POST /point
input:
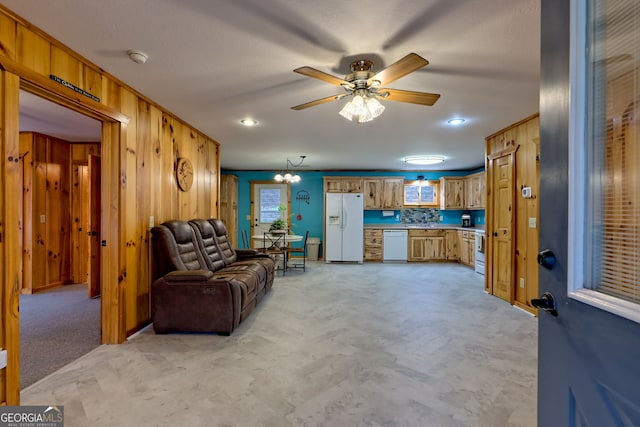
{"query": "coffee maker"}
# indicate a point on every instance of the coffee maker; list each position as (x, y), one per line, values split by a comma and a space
(466, 220)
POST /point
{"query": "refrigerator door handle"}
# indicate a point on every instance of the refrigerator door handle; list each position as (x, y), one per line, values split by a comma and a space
(344, 218)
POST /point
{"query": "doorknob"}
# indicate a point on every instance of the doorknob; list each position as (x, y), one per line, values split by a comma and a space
(546, 303)
(547, 259)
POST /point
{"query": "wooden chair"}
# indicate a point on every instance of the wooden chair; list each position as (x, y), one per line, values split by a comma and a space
(293, 250)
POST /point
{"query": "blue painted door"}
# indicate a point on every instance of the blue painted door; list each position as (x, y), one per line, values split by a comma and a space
(589, 354)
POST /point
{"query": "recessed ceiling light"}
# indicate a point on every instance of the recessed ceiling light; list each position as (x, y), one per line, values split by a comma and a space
(456, 122)
(249, 122)
(424, 160)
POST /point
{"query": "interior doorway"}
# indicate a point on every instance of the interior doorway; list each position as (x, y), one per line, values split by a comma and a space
(60, 316)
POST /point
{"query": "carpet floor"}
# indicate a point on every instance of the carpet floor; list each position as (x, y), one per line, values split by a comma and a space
(56, 328)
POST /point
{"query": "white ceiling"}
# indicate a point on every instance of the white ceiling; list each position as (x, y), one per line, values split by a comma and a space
(214, 62)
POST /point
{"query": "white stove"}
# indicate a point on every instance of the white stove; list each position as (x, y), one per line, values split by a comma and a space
(480, 248)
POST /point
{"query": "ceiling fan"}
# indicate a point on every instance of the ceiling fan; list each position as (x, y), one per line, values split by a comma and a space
(367, 87)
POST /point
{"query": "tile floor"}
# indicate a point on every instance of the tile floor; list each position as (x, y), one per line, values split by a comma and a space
(337, 345)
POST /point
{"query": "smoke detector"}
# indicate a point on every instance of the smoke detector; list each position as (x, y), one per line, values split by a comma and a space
(137, 56)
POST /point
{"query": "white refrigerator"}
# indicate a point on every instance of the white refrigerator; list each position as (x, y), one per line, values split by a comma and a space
(344, 218)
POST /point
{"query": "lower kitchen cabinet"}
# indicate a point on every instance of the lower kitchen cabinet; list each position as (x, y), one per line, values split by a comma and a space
(373, 242)
(466, 247)
(427, 245)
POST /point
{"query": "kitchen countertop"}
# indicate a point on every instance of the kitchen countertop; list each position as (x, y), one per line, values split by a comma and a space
(423, 227)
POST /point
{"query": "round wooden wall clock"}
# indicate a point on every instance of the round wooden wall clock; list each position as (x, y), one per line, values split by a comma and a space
(184, 174)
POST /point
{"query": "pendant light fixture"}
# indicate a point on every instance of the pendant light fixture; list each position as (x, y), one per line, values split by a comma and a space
(289, 176)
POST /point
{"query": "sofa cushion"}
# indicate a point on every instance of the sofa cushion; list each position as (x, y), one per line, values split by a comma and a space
(176, 248)
(206, 237)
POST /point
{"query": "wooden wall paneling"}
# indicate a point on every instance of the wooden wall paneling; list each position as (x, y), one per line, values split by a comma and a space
(131, 224)
(170, 208)
(533, 247)
(40, 275)
(7, 37)
(111, 93)
(66, 66)
(59, 212)
(76, 232)
(92, 81)
(33, 51)
(26, 154)
(11, 233)
(112, 255)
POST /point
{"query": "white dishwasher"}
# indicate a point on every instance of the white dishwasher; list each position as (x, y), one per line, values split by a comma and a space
(394, 245)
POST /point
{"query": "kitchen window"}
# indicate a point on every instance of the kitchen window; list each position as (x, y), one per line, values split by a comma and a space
(421, 193)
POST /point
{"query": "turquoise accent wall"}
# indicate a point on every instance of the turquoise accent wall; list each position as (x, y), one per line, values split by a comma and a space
(312, 214)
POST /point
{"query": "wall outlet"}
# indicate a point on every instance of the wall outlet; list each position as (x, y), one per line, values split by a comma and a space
(3, 358)
(526, 192)
(522, 282)
(248, 217)
(152, 221)
(441, 218)
(532, 222)
(43, 219)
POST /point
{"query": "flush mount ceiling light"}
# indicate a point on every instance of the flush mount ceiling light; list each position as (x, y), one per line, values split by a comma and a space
(137, 56)
(289, 175)
(249, 122)
(456, 122)
(424, 160)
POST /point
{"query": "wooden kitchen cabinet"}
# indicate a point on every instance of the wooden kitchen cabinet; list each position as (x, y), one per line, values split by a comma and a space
(475, 192)
(382, 193)
(427, 245)
(372, 189)
(229, 206)
(343, 184)
(392, 193)
(466, 247)
(451, 245)
(373, 241)
(452, 192)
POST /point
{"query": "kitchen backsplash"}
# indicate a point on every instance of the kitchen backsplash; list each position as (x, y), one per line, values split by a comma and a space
(419, 216)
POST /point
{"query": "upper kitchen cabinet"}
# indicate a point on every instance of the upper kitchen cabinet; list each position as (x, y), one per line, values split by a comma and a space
(343, 184)
(382, 193)
(474, 191)
(452, 192)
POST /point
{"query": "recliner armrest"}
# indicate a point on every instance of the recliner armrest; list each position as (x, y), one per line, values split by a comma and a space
(188, 276)
(251, 253)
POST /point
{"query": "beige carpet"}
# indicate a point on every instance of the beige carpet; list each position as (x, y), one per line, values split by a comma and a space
(339, 345)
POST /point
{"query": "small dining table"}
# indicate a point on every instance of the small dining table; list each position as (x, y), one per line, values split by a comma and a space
(271, 240)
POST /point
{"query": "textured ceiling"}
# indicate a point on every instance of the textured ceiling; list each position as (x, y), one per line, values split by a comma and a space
(214, 62)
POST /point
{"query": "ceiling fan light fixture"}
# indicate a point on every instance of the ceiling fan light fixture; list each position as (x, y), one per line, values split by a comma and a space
(362, 109)
(424, 160)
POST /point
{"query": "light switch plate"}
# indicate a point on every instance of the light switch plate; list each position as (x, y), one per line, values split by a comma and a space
(3, 358)
(248, 217)
(152, 221)
(43, 219)
(532, 222)
(522, 282)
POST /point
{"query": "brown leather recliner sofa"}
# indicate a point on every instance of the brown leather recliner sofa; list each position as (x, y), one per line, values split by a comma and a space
(201, 283)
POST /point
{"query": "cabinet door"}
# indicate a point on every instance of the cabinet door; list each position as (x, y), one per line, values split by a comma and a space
(469, 192)
(452, 193)
(333, 185)
(417, 248)
(481, 191)
(372, 189)
(373, 245)
(434, 248)
(392, 193)
(352, 185)
(451, 245)
(464, 247)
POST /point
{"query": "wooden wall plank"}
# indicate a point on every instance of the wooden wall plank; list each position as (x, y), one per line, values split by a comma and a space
(33, 51)
(7, 37)
(11, 233)
(26, 154)
(66, 66)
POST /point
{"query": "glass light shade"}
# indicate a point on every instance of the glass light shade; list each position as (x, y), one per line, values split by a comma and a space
(424, 160)
(362, 109)
(279, 177)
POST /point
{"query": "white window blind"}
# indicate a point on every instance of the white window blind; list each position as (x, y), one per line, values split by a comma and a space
(613, 154)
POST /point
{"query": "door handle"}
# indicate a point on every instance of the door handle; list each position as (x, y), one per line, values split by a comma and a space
(547, 259)
(546, 303)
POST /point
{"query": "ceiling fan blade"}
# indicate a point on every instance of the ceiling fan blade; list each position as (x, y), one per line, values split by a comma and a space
(398, 95)
(404, 66)
(321, 75)
(319, 101)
